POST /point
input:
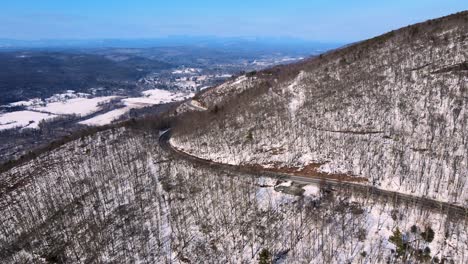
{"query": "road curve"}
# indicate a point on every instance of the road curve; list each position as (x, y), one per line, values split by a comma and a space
(396, 197)
(196, 107)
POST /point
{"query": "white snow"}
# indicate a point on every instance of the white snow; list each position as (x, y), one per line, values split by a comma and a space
(106, 118)
(240, 80)
(311, 190)
(198, 105)
(268, 197)
(333, 167)
(151, 97)
(81, 104)
(298, 97)
(224, 75)
(154, 97)
(163, 96)
(78, 106)
(65, 103)
(22, 119)
(69, 94)
(186, 71)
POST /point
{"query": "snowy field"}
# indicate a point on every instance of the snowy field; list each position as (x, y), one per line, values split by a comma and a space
(81, 104)
(150, 98)
(187, 71)
(105, 118)
(22, 119)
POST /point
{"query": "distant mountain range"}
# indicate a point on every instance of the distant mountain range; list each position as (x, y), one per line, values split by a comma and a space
(250, 43)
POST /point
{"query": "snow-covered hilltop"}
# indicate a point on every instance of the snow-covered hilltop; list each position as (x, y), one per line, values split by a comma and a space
(392, 110)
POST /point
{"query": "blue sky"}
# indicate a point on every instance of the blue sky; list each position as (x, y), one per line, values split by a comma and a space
(317, 20)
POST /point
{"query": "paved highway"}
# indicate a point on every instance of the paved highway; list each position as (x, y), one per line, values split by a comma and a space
(396, 197)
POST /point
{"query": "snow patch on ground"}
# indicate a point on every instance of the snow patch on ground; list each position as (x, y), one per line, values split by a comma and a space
(197, 104)
(106, 118)
(78, 106)
(22, 119)
(162, 96)
(331, 167)
(311, 190)
(298, 97)
(240, 80)
(186, 71)
(151, 97)
(268, 197)
(69, 94)
(223, 76)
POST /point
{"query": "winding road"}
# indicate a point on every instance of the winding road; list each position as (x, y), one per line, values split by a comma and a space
(395, 197)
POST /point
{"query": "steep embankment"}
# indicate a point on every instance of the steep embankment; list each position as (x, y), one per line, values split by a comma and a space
(392, 109)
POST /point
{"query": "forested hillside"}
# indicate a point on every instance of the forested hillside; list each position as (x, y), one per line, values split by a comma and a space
(392, 110)
(117, 197)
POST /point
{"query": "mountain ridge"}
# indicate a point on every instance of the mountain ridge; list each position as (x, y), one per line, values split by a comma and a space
(409, 85)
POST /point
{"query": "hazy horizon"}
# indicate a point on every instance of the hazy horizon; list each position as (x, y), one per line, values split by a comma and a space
(318, 21)
(225, 43)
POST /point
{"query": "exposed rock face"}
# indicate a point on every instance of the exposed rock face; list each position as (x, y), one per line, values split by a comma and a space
(393, 109)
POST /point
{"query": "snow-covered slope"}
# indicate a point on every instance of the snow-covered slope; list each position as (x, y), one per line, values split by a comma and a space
(116, 197)
(392, 109)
